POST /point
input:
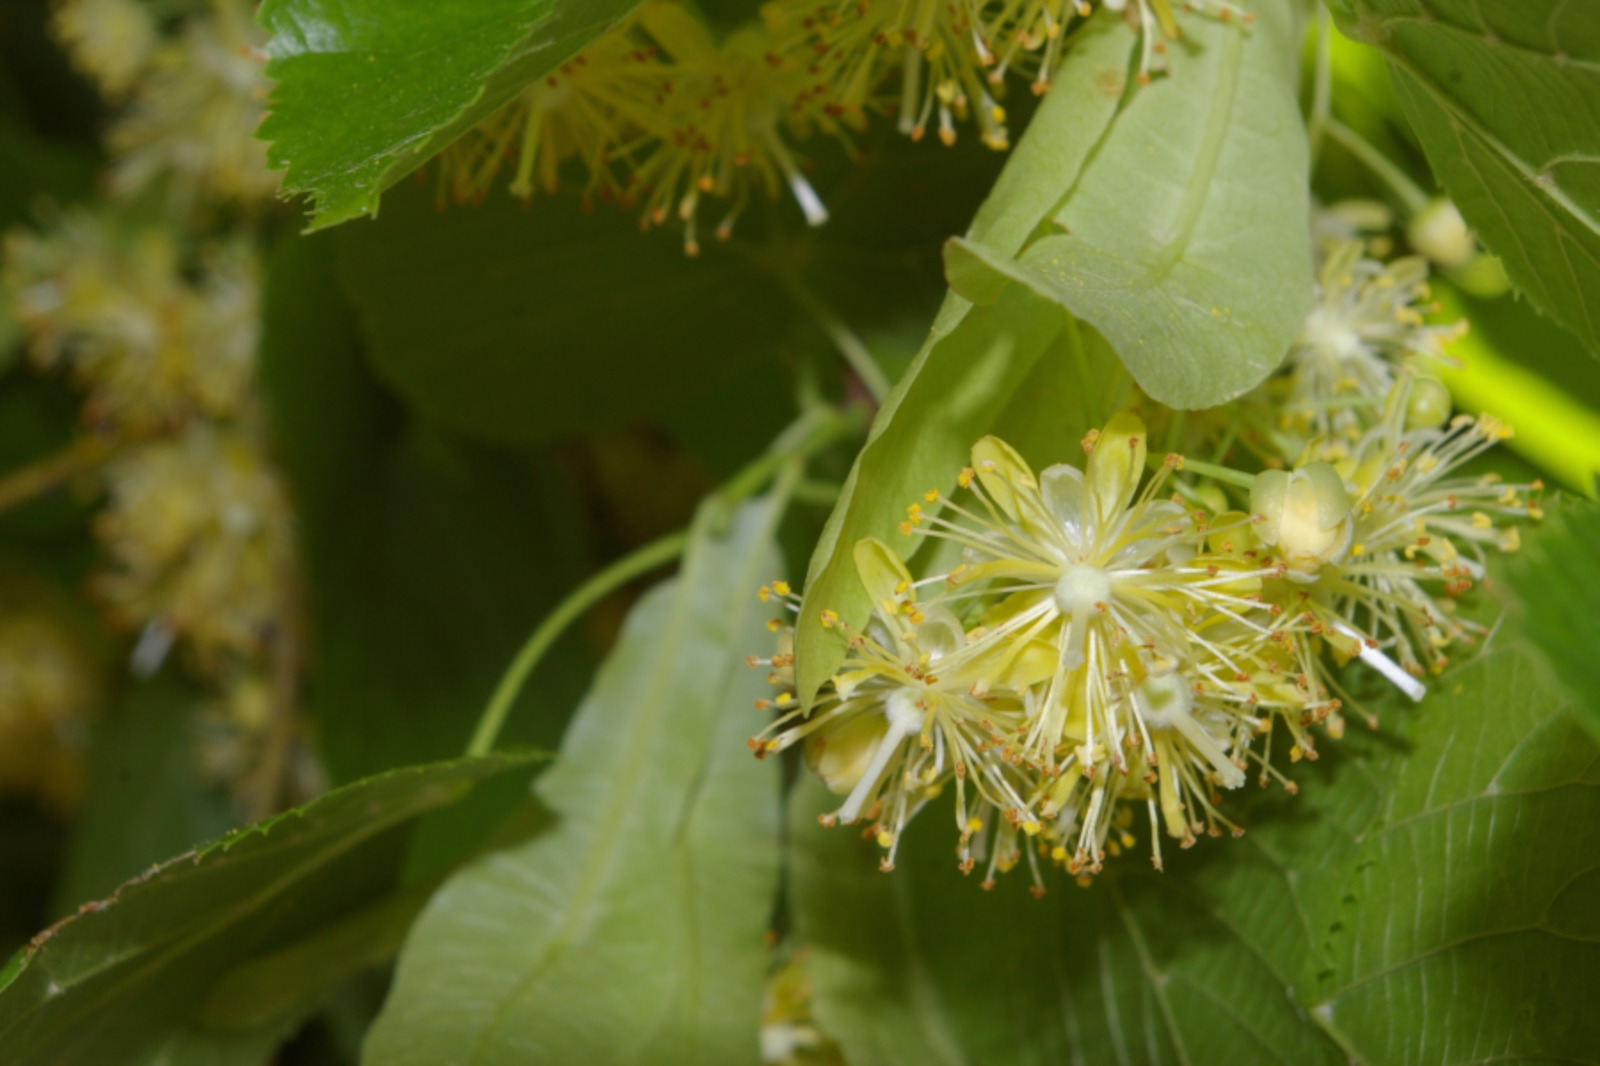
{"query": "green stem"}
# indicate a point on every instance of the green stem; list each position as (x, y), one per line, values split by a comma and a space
(1218, 473)
(821, 493)
(813, 430)
(635, 564)
(1321, 85)
(1399, 182)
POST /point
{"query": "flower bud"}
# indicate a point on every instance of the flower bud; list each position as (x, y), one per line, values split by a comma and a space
(1305, 515)
(1428, 405)
(1440, 233)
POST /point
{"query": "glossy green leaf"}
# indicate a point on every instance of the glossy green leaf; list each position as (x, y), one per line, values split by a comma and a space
(125, 975)
(368, 90)
(631, 931)
(519, 325)
(1183, 240)
(1428, 897)
(1505, 96)
(968, 372)
(1553, 582)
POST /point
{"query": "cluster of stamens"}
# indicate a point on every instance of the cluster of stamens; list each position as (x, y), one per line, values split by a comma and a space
(1096, 641)
(661, 116)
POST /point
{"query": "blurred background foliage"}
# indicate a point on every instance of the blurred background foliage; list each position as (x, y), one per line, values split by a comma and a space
(476, 408)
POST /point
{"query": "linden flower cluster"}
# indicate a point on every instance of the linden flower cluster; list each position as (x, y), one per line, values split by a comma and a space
(198, 531)
(196, 524)
(660, 114)
(1101, 645)
(194, 94)
(113, 305)
(1368, 323)
(48, 693)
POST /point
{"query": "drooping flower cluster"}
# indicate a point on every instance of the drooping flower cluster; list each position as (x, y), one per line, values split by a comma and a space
(49, 690)
(194, 94)
(660, 114)
(196, 526)
(1136, 632)
(113, 305)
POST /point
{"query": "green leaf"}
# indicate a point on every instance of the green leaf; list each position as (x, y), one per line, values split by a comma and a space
(519, 325)
(632, 931)
(1184, 238)
(145, 800)
(1553, 581)
(126, 974)
(968, 372)
(367, 91)
(417, 544)
(1505, 97)
(1469, 909)
(1428, 897)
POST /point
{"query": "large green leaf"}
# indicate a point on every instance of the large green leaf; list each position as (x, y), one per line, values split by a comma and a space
(520, 324)
(1505, 96)
(1553, 581)
(126, 974)
(416, 544)
(369, 90)
(632, 931)
(1184, 238)
(1428, 897)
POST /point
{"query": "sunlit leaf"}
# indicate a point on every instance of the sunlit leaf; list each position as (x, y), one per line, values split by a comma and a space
(632, 930)
(1184, 239)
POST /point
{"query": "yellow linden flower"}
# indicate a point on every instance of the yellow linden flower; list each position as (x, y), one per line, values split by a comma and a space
(151, 347)
(1092, 565)
(940, 47)
(579, 112)
(189, 127)
(1416, 537)
(198, 530)
(716, 122)
(109, 40)
(915, 705)
(48, 692)
(790, 1035)
(1366, 325)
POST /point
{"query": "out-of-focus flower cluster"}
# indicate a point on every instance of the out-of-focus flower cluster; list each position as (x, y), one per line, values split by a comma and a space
(1135, 631)
(661, 115)
(191, 90)
(196, 528)
(50, 689)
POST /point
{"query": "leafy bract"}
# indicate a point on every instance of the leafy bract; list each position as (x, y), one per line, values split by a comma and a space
(1505, 97)
(369, 90)
(975, 360)
(1183, 239)
(631, 931)
(1428, 897)
(124, 976)
(1553, 581)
